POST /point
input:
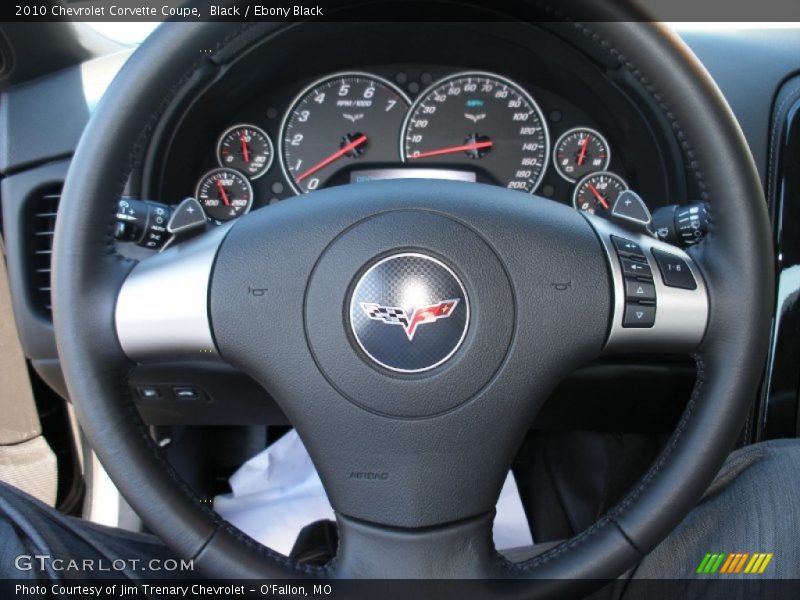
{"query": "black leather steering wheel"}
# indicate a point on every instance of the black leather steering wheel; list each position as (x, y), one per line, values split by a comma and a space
(412, 450)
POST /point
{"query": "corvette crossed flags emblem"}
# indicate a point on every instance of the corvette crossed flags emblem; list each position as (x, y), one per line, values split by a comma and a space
(392, 315)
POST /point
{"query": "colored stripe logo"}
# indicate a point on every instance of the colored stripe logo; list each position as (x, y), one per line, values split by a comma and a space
(724, 563)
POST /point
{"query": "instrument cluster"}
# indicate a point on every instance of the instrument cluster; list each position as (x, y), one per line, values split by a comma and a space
(353, 126)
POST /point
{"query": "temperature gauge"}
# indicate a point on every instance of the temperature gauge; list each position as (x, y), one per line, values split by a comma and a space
(225, 194)
(598, 191)
(245, 148)
(580, 151)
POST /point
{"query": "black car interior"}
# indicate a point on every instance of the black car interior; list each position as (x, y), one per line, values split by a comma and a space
(612, 430)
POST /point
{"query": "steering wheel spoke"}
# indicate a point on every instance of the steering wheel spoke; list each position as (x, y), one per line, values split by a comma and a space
(462, 550)
(660, 297)
(162, 307)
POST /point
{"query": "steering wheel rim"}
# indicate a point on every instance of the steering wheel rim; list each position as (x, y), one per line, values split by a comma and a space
(735, 260)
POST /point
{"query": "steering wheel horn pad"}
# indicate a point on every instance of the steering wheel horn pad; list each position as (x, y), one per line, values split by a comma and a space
(387, 443)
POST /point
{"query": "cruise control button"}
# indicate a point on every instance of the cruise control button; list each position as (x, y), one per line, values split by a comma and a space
(632, 268)
(637, 315)
(674, 270)
(627, 247)
(639, 290)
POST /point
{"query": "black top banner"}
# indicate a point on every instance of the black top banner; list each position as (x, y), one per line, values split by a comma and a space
(763, 11)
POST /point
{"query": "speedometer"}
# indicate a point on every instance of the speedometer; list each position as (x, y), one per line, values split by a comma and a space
(479, 122)
(342, 121)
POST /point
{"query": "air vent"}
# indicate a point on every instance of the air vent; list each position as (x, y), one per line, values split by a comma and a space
(44, 225)
(5, 57)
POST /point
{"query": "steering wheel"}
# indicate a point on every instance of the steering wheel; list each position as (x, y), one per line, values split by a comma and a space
(412, 420)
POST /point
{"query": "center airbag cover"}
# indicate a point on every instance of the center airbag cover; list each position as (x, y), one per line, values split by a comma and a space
(483, 317)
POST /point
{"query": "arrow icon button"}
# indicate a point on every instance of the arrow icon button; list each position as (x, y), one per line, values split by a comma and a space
(639, 290)
(633, 268)
(639, 316)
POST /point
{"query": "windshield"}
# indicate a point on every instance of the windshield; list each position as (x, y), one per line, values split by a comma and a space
(130, 34)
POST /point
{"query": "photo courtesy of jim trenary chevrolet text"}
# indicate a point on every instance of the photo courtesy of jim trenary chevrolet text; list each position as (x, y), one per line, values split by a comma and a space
(400, 299)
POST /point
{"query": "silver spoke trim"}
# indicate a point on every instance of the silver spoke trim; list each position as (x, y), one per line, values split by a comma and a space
(681, 315)
(162, 308)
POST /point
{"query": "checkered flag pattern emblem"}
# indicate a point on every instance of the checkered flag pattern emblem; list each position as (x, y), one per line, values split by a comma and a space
(393, 315)
(388, 314)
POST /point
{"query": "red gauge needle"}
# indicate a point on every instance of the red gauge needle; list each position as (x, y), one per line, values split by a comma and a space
(454, 149)
(245, 152)
(599, 196)
(338, 154)
(221, 189)
(582, 155)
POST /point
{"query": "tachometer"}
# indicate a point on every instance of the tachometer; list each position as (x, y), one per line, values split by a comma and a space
(337, 122)
(482, 122)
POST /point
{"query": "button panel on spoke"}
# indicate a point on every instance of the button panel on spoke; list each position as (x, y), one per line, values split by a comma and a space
(640, 293)
(660, 299)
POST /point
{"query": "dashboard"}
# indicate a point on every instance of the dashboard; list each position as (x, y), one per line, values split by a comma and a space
(489, 109)
(352, 127)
